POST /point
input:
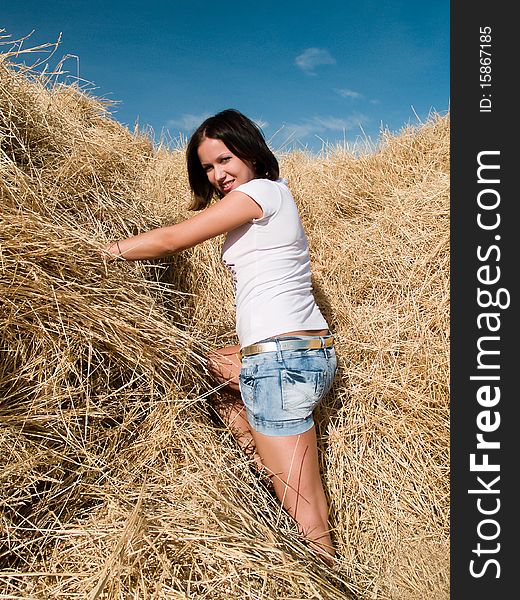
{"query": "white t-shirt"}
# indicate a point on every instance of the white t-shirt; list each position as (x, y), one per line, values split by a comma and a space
(269, 259)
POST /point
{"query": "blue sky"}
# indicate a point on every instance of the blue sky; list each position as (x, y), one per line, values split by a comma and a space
(307, 72)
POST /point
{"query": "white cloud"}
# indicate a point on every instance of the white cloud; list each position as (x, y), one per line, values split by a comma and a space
(345, 93)
(320, 125)
(311, 58)
(187, 122)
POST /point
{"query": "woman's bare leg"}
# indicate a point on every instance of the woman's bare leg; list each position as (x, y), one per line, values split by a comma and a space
(293, 464)
(291, 461)
(225, 365)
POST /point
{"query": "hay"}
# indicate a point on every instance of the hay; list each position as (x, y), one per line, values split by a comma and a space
(114, 481)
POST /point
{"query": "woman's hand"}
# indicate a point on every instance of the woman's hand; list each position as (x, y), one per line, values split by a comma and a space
(149, 245)
(111, 252)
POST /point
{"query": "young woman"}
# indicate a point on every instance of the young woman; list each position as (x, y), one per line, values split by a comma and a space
(285, 362)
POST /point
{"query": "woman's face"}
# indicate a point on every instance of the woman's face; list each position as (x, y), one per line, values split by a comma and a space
(225, 171)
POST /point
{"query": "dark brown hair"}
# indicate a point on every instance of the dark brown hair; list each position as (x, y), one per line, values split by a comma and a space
(242, 137)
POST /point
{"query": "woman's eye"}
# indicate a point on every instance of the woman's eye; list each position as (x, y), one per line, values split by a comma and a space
(226, 158)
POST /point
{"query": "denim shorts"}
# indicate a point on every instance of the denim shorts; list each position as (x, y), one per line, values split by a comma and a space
(281, 389)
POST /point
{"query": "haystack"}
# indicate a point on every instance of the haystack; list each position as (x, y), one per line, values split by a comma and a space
(115, 482)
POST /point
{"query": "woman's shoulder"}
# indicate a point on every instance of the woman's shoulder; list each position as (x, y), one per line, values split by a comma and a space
(269, 194)
(265, 186)
(260, 182)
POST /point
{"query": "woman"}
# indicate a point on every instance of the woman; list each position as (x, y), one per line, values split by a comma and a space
(285, 362)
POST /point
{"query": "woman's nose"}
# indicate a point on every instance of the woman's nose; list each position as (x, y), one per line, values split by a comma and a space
(219, 173)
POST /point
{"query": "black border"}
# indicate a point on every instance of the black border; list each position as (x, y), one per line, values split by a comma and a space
(473, 131)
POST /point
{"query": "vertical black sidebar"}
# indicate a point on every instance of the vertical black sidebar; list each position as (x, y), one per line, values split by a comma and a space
(485, 239)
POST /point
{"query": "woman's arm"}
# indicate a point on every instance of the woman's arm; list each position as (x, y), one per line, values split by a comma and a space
(227, 214)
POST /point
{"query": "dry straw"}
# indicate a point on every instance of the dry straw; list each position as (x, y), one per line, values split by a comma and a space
(114, 480)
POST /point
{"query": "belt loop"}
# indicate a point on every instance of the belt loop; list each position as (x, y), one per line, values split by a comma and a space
(278, 350)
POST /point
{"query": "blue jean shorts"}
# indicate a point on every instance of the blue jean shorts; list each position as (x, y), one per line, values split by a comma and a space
(281, 389)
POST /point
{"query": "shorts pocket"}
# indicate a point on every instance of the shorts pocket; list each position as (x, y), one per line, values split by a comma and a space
(260, 390)
(246, 383)
(301, 392)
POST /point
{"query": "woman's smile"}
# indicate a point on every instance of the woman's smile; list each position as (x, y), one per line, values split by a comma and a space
(227, 186)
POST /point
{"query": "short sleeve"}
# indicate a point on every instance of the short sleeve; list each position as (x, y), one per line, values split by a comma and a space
(265, 193)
